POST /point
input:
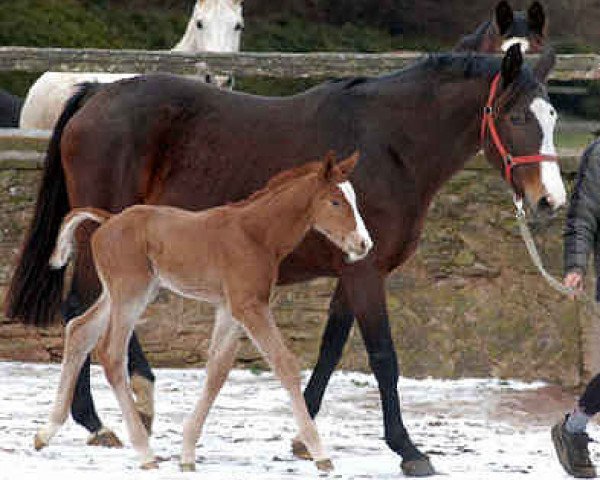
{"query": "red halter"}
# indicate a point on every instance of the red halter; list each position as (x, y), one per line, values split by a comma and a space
(507, 159)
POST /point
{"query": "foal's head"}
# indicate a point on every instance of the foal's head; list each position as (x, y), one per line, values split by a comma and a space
(527, 29)
(336, 214)
(518, 130)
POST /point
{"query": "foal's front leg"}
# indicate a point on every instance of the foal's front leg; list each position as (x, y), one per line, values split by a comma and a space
(221, 355)
(258, 321)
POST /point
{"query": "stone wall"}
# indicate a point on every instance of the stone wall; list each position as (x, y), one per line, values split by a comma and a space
(469, 303)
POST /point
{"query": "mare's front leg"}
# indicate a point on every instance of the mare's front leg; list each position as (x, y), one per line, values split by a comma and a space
(365, 290)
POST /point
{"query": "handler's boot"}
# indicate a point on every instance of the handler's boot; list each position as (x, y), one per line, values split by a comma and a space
(143, 389)
(572, 451)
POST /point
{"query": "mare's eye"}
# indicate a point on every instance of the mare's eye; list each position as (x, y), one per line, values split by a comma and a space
(517, 119)
(199, 24)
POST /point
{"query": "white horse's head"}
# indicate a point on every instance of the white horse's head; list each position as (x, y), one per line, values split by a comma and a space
(215, 26)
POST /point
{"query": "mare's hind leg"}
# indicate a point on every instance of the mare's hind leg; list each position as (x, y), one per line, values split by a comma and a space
(258, 321)
(221, 355)
(81, 334)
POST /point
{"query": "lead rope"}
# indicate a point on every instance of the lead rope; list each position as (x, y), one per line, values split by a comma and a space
(534, 254)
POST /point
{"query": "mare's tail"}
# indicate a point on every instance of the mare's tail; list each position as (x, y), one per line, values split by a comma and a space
(35, 291)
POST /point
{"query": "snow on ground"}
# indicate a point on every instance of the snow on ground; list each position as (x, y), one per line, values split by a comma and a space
(473, 429)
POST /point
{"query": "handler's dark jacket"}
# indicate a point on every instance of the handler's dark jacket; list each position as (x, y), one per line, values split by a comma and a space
(583, 218)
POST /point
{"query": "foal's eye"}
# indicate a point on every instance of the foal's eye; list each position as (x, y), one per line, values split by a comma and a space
(335, 203)
(199, 24)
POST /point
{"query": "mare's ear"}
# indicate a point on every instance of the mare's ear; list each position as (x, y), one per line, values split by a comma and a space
(545, 64)
(503, 16)
(346, 166)
(511, 64)
(327, 170)
(536, 18)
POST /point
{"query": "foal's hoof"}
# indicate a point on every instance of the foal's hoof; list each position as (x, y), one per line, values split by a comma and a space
(104, 438)
(187, 467)
(325, 465)
(151, 465)
(420, 467)
(299, 450)
(39, 442)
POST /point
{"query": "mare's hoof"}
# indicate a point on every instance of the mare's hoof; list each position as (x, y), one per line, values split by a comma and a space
(420, 467)
(151, 465)
(325, 465)
(39, 442)
(299, 450)
(104, 438)
(188, 467)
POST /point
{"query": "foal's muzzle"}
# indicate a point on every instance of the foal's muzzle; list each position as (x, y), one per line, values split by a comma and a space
(357, 247)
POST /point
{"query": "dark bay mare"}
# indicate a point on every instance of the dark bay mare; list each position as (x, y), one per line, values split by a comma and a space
(507, 27)
(162, 139)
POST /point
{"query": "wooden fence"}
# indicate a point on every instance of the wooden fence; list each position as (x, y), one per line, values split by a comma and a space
(271, 64)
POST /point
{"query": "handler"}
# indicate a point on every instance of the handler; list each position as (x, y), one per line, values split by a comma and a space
(582, 234)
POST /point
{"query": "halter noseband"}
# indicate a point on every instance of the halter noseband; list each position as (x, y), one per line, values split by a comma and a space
(508, 160)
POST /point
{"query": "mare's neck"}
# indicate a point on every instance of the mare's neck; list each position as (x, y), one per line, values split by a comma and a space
(279, 220)
(437, 126)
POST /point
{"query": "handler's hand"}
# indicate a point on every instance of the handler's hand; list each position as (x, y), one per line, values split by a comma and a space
(574, 280)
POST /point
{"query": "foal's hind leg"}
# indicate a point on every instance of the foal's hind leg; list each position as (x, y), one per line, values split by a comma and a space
(259, 323)
(81, 334)
(221, 355)
(127, 304)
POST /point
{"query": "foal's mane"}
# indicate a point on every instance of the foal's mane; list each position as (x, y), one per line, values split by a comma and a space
(281, 180)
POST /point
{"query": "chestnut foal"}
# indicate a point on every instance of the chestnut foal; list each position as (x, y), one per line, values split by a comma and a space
(228, 256)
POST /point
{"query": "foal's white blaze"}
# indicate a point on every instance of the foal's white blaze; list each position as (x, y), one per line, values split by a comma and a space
(549, 171)
(523, 42)
(361, 230)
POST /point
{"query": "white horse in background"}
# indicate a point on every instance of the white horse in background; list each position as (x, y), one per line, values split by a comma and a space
(215, 26)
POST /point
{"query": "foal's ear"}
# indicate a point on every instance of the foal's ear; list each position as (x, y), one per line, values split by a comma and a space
(511, 64)
(327, 170)
(346, 166)
(503, 16)
(536, 18)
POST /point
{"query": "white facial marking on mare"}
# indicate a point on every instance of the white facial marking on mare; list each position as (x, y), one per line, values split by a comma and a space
(549, 171)
(214, 27)
(514, 41)
(348, 191)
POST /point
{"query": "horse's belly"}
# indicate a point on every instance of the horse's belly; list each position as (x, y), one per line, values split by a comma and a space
(203, 290)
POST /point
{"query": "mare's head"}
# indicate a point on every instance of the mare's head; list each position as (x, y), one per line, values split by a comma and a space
(216, 26)
(518, 131)
(527, 29)
(335, 210)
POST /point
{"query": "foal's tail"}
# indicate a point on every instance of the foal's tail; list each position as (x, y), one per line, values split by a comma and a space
(64, 243)
(35, 292)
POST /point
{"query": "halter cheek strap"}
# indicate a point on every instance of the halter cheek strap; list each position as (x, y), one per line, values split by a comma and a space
(488, 123)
